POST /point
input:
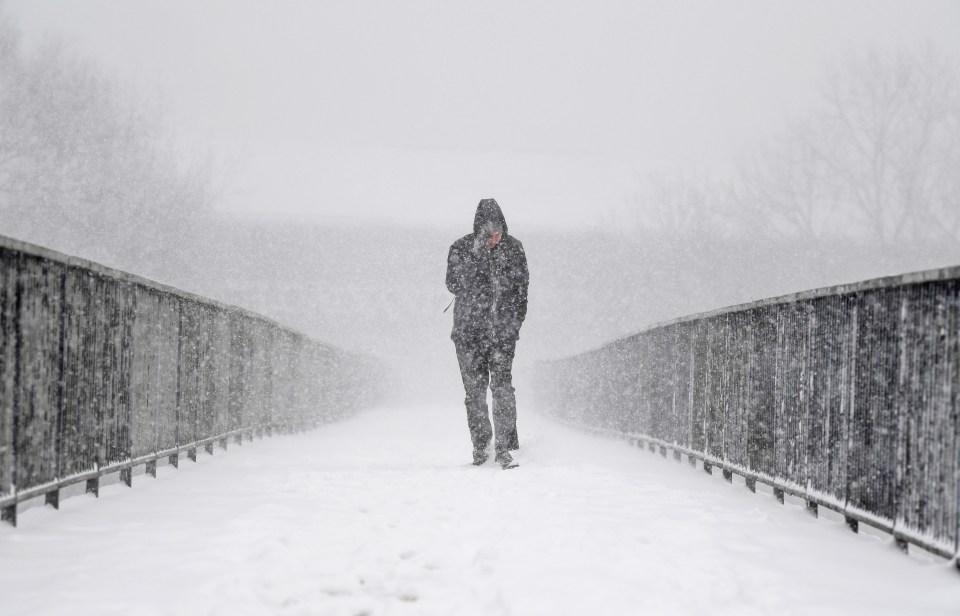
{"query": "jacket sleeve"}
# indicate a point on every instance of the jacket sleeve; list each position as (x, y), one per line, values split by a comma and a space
(454, 270)
(522, 283)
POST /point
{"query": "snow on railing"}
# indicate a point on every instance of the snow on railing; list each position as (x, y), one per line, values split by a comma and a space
(101, 371)
(847, 397)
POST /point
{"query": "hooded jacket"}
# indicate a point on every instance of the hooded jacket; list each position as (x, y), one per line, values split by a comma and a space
(490, 284)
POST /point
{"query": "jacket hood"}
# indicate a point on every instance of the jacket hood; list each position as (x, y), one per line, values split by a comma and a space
(489, 211)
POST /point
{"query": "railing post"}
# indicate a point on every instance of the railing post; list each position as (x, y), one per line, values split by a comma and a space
(728, 475)
(778, 493)
(192, 454)
(208, 447)
(852, 523)
(52, 498)
(151, 468)
(9, 514)
(93, 486)
(707, 467)
(175, 458)
(751, 484)
(128, 311)
(813, 508)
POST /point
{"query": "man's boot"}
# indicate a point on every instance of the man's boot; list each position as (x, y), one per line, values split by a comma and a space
(505, 460)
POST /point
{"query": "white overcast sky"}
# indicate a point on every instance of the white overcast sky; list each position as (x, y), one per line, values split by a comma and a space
(415, 110)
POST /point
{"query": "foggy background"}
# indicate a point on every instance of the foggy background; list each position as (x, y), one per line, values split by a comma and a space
(314, 161)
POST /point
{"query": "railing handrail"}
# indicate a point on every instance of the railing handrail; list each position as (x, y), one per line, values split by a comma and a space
(120, 275)
(898, 280)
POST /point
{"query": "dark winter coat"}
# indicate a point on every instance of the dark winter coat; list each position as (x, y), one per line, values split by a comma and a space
(490, 283)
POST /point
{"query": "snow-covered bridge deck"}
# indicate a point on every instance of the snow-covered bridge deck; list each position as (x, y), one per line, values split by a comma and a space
(382, 514)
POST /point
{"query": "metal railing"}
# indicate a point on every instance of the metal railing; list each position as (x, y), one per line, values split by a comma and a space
(847, 397)
(101, 371)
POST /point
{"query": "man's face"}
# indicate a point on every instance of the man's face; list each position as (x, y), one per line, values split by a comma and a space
(494, 238)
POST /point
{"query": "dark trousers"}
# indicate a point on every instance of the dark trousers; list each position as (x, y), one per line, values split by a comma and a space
(483, 363)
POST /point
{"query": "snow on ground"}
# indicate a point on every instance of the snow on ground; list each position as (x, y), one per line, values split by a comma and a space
(382, 514)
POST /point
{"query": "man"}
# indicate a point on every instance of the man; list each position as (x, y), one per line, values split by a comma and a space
(487, 271)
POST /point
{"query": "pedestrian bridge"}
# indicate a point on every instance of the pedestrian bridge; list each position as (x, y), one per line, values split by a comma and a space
(269, 475)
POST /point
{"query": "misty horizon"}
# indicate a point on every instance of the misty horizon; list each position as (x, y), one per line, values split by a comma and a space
(559, 110)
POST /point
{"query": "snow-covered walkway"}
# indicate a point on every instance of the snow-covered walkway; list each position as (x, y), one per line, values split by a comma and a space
(382, 514)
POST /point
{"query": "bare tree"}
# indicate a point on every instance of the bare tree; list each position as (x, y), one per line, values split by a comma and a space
(878, 158)
(680, 205)
(780, 192)
(85, 166)
(865, 184)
